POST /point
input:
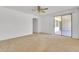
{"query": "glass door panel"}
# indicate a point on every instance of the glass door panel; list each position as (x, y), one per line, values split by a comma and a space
(58, 25)
(66, 25)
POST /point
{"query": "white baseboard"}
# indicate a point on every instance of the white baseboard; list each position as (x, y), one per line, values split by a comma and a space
(14, 36)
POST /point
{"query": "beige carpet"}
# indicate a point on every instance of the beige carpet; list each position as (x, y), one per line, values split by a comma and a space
(40, 42)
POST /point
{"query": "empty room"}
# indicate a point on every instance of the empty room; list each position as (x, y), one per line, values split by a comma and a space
(39, 29)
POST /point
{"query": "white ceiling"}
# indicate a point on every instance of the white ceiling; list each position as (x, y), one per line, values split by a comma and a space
(51, 9)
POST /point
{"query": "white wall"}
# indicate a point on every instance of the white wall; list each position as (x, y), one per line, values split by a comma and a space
(75, 24)
(47, 22)
(14, 23)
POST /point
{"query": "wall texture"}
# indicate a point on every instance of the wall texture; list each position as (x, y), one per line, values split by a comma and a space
(47, 24)
(14, 23)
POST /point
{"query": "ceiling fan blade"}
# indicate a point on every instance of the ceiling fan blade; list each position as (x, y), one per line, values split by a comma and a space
(44, 9)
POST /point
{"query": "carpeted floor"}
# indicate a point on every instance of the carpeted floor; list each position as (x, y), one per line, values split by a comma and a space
(39, 43)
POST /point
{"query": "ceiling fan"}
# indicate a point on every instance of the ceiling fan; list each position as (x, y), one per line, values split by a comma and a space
(40, 9)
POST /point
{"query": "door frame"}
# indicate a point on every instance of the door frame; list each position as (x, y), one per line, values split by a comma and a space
(36, 26)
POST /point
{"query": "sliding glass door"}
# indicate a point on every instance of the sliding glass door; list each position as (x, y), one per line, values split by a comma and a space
(63, 25)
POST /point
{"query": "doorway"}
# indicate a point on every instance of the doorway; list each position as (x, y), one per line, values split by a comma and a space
(63, 25)
(35, 25)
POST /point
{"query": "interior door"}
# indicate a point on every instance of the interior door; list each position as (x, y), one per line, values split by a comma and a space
(35, 25)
